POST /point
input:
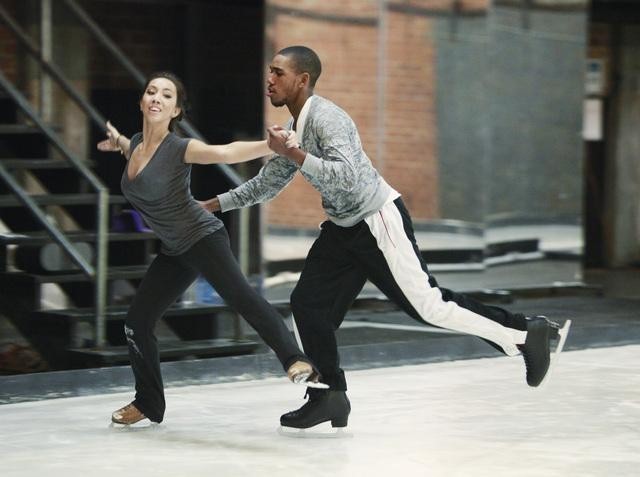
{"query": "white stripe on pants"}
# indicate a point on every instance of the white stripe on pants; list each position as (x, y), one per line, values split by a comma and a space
(387, 228)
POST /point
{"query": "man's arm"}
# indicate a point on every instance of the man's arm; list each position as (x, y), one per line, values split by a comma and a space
(274, 176)
(338, 142)
(211, 205)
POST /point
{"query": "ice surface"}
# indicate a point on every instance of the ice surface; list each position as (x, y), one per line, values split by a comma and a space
(465, 418)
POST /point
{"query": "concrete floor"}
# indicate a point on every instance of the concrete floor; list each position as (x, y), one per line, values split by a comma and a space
(461, 418)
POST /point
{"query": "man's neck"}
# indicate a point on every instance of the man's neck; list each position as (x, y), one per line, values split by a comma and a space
(297, 105)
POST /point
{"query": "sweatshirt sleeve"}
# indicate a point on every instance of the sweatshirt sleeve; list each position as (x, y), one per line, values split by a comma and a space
(338, 142)
(274, 176)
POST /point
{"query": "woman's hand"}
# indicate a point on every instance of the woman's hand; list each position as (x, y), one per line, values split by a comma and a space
(285, 144)
(111, 144)
(289, 136)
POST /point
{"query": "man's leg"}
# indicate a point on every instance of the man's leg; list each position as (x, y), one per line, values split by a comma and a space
(165, 281)
(328, 286)
(394, 264)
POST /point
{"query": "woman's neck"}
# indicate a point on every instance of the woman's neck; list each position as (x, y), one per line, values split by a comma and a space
(153, 134)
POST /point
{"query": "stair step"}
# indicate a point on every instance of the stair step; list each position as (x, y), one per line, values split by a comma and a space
(14, 163)
(42, 238)
(114, 273)
(119, 312)
(60, 199)
(18, 129)
(115, 313)
(168, 350)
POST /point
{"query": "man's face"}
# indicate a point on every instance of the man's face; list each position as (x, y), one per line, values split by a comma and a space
(283, 82)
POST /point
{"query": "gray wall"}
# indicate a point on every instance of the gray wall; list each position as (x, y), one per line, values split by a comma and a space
(623, 208)
(509, 107)
(462, 109)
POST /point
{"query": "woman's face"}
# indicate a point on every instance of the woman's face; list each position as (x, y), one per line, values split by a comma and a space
(159, 101)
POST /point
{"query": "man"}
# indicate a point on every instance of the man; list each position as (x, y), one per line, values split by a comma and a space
(368, 235)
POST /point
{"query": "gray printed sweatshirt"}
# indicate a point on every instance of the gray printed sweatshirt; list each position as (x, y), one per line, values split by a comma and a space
(335, 165)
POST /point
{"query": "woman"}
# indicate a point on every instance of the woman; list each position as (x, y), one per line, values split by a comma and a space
(156, 181)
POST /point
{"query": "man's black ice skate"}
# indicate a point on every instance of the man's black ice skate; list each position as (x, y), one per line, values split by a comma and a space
(536, 349)
(322, 406)
(554, 328)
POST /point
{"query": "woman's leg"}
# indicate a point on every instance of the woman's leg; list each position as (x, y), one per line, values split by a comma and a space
(212, 256)
(166, 279)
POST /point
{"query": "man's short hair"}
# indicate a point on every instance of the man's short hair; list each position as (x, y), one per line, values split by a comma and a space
(305, 60)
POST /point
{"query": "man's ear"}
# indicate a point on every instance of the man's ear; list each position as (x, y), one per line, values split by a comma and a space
(304, 80)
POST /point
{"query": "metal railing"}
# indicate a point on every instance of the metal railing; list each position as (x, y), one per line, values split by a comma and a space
(52, 69)
(230, 174)
(239, 218)
(97, 273)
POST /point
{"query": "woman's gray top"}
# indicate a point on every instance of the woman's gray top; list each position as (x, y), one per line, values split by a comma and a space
(161, 192)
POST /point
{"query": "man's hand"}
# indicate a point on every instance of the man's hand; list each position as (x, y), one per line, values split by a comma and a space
(285, 143)
(211, 205)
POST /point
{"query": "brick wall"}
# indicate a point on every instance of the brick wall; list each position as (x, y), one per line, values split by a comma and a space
(395, 111)
(410, 122)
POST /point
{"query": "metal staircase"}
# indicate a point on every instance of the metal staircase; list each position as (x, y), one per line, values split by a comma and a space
(84, 262)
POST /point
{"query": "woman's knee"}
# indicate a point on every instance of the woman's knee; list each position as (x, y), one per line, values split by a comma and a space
(137, 323)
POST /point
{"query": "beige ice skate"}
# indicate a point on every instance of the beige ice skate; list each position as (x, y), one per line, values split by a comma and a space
(127, 415)
(302, 372)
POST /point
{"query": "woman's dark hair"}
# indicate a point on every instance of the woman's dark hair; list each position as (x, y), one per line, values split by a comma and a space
(181, 94)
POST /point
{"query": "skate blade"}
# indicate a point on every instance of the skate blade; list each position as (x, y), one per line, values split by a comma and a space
(303, 379)
(321, 431)
(315, 385)
(563, 333)
(144, 425)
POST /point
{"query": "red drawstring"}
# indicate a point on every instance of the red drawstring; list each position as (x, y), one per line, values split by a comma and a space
(386, 229)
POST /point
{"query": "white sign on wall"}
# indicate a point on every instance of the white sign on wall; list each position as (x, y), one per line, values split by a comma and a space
(592, 119)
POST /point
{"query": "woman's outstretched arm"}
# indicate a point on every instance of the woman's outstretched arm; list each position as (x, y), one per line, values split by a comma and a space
(239, 151)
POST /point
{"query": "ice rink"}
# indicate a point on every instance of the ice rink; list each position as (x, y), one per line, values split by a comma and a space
(463, 418)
